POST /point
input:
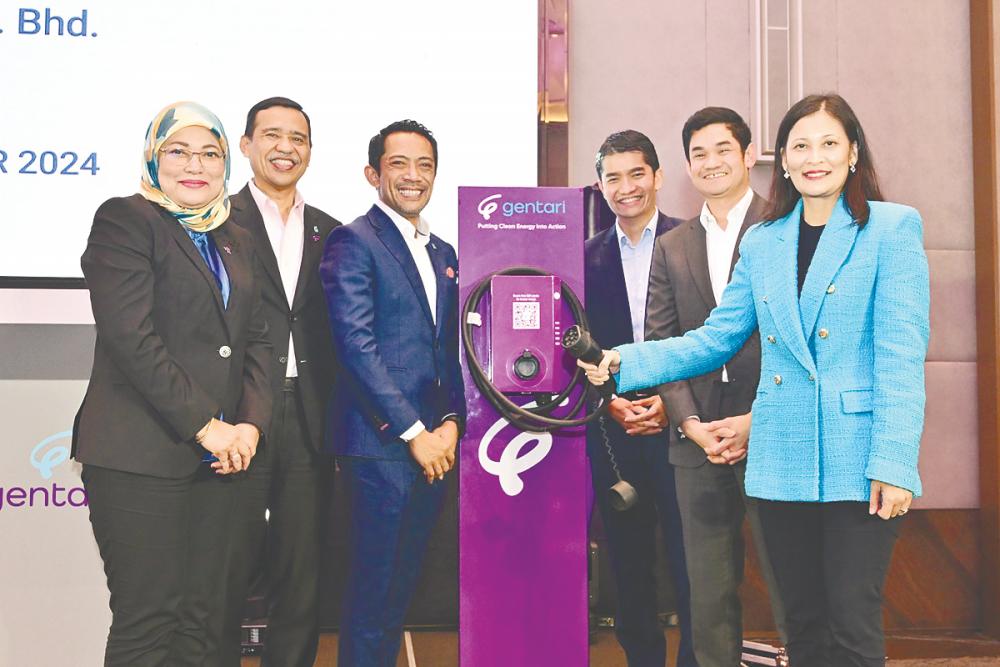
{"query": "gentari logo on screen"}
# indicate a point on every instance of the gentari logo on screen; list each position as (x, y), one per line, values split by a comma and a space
(45, 457)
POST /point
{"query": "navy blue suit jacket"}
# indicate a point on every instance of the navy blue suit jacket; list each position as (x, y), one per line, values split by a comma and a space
(608, 310)
(399, 366)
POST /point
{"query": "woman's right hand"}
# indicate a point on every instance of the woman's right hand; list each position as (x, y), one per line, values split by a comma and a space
(223, 441)
(610, 363)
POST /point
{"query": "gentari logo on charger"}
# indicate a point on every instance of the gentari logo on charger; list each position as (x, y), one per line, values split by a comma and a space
(489, 205)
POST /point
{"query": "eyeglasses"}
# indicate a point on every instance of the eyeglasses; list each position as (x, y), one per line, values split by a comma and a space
(183, 157)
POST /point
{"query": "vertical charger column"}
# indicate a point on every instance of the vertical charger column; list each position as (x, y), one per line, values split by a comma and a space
(522, 494)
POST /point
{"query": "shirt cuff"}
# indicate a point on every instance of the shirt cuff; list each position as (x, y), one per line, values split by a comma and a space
(412, 432)
(684, 437)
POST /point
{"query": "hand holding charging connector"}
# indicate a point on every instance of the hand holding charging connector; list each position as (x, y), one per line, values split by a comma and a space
(579, 343)
(599, 365)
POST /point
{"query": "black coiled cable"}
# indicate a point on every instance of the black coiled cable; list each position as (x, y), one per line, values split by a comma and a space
(527, 419)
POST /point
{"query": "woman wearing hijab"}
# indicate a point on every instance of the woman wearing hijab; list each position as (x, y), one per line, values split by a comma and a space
(837, 283)
(178, 393)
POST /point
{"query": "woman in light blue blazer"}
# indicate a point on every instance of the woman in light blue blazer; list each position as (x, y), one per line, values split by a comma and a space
(837, 283)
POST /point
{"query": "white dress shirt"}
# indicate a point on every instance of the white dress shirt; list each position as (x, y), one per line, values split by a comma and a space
(286, 238)
(636, 260)
(720, 245)
(417, 237)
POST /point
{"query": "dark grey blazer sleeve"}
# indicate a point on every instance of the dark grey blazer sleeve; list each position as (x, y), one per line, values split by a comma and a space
(662, 321)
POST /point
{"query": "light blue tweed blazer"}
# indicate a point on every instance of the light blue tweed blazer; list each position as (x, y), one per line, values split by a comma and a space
(841, 394)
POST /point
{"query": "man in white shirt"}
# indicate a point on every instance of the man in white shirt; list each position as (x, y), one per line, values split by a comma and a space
(617, 265)
(691, 267)
(289, 477)
(392, 292)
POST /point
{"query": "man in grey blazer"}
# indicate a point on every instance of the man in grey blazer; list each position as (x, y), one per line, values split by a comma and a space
(710, 414)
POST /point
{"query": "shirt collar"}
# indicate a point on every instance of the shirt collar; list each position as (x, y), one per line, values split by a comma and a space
(263, 200)
(405, 227)
(648, 231)
(736, 213)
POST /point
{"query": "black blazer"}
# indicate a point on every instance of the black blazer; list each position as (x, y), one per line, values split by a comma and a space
(680, 299)
(168, 356)
(307, 319)
(609, 315)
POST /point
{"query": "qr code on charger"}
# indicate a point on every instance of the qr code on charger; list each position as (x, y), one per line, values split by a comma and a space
(526, 315)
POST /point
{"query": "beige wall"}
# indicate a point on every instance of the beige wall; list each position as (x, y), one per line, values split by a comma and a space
(904, 67)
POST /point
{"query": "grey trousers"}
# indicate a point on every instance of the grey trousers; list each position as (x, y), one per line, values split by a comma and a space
(713, 502)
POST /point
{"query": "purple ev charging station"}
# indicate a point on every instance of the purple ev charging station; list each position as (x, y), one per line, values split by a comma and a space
(522, 494)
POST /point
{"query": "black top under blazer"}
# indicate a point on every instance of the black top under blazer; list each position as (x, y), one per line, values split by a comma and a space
(168, 356)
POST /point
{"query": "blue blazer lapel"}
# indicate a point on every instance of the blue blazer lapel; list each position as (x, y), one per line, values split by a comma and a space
(834, 246)
(440, 264)
(614, 287)
(394, 243)
(781, 286)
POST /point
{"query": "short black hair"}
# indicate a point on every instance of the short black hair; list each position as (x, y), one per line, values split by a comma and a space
(626, 141)
(376, 147)
(274, 102)
(710, 116)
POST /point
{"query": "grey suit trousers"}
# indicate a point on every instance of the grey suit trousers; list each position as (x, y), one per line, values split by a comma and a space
(712, 501)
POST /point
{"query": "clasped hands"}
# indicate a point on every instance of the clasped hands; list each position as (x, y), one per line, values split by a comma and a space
(724, 440)
(434, 451)
(644, 416)
(233, 445)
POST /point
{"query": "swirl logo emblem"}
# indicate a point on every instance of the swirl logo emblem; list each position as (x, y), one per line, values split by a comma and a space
(512, 464)
(45, 456)
(488, 206)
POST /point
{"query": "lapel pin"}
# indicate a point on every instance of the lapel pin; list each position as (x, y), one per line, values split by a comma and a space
(228, 250)
(315, 238)
(450, 272)
(315, 229)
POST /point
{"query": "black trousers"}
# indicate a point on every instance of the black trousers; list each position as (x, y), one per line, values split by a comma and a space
(164, 543)
(830, 561)
(287, 482)
(642, 461)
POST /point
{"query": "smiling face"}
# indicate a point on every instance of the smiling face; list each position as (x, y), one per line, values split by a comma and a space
(279, 149)
(629, 186)
(818, 156)
(194, 183)
(719, 168)
(406, 174)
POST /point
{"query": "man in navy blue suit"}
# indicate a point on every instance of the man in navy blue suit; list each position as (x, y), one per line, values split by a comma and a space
(391, 287)
(617, 278)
